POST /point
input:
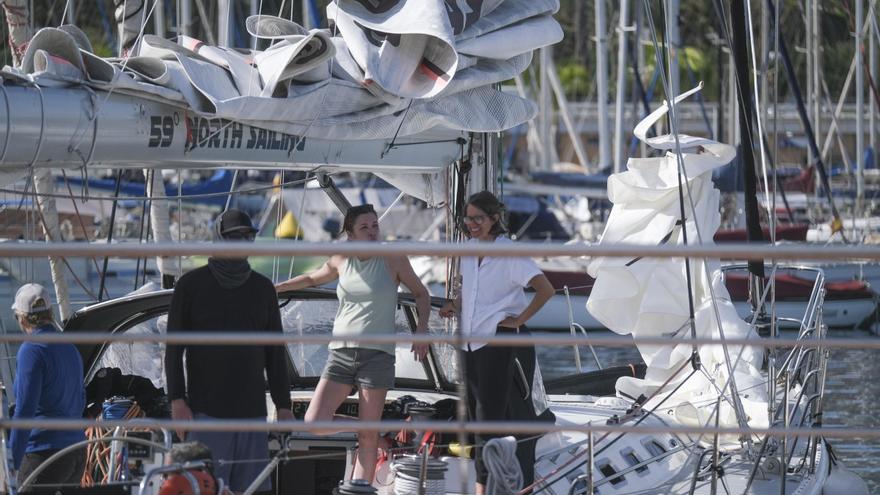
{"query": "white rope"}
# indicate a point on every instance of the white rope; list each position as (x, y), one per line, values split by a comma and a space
(505, 475)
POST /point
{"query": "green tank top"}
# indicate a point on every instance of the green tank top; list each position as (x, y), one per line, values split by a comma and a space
(367, 303)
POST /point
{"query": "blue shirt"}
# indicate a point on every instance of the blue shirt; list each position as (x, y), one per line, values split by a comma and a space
(48, 384)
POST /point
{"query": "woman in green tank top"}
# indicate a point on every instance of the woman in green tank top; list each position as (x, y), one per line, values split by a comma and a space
(367, 292)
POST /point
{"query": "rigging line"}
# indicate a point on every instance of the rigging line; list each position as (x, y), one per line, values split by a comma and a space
(110, 234)
(149, 233)
(391, 145)
(759, 118)
(680, 162)
(808, 127)
(147, 180)
(276, 266)
(188, 197)
(865, 68)
(299, 218)
(63, 258)
(231, 189)
(683, 172)
(736, 40)
(64, 13)
(82, 224)
(699, 95)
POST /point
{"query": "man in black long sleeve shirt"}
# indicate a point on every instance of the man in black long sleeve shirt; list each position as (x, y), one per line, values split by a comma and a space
(225, 381)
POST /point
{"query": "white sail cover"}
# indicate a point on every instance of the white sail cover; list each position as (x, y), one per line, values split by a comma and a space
(385, 68)
(648, 297)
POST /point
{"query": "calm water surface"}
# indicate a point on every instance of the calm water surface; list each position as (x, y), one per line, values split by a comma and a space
(851, 399)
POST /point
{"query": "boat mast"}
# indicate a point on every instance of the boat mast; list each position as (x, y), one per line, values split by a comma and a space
(185, 20)
(619, 133)
(816, 74)
(159, 18)
(673, 37)
(860, 113)
(872, 67)
(545, 111)
(224, 23)
(602, 84)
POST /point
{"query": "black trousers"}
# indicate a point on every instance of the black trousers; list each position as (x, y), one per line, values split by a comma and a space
(495, 394)
(67, 470)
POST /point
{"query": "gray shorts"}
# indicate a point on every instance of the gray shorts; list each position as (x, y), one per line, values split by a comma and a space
(358, 367)
(250, 449)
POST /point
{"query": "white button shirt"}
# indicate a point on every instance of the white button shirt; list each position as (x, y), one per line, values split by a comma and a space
(491, 291)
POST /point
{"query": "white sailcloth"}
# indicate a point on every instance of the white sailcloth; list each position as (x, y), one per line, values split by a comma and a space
(390, 68)
(647, 297)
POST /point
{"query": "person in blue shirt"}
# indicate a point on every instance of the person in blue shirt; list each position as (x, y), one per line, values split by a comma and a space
(48, 384)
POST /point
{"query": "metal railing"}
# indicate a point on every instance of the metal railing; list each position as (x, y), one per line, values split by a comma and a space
(804, 364)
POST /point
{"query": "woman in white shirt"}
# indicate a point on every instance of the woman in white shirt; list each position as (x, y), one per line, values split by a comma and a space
(493, 301)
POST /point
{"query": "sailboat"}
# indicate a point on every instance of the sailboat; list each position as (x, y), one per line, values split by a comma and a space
(681, 385)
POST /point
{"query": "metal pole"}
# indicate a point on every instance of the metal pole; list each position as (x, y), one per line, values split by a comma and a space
(591, 461)
(602, 84)
(872, 65)
(577, 353)
(110, 234)
(44, 183)
(860, 110)
(185, 21)
(307, 15)
(224, 22)
(545, 110)
(765, 61)
(733, 114)
(674, 41)
(817, 70)
(783, 463)
(640, 59)
(809, 48)
(619, 133)
(159, 18)
(570, 126)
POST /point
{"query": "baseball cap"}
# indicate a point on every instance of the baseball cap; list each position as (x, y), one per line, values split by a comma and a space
(235, 221)
(32, 298)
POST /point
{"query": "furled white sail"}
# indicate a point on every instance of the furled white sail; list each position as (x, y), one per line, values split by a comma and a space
(648, 297)
(390, 68)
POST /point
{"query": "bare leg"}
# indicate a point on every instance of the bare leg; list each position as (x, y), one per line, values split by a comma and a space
(481, 489)
(372, 401)
(327, 399)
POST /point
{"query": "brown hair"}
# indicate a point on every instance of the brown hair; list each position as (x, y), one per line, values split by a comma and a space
(37, 319)
(491, 205)
(351, 216)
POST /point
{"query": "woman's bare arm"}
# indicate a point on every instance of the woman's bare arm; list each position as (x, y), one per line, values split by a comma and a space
(328, 272)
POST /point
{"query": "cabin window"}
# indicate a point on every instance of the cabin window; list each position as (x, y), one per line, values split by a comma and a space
(654, 447)
(144, 359)
(633, 460)
(608, 471)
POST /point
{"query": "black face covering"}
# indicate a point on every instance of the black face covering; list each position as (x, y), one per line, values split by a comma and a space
(230, 273)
